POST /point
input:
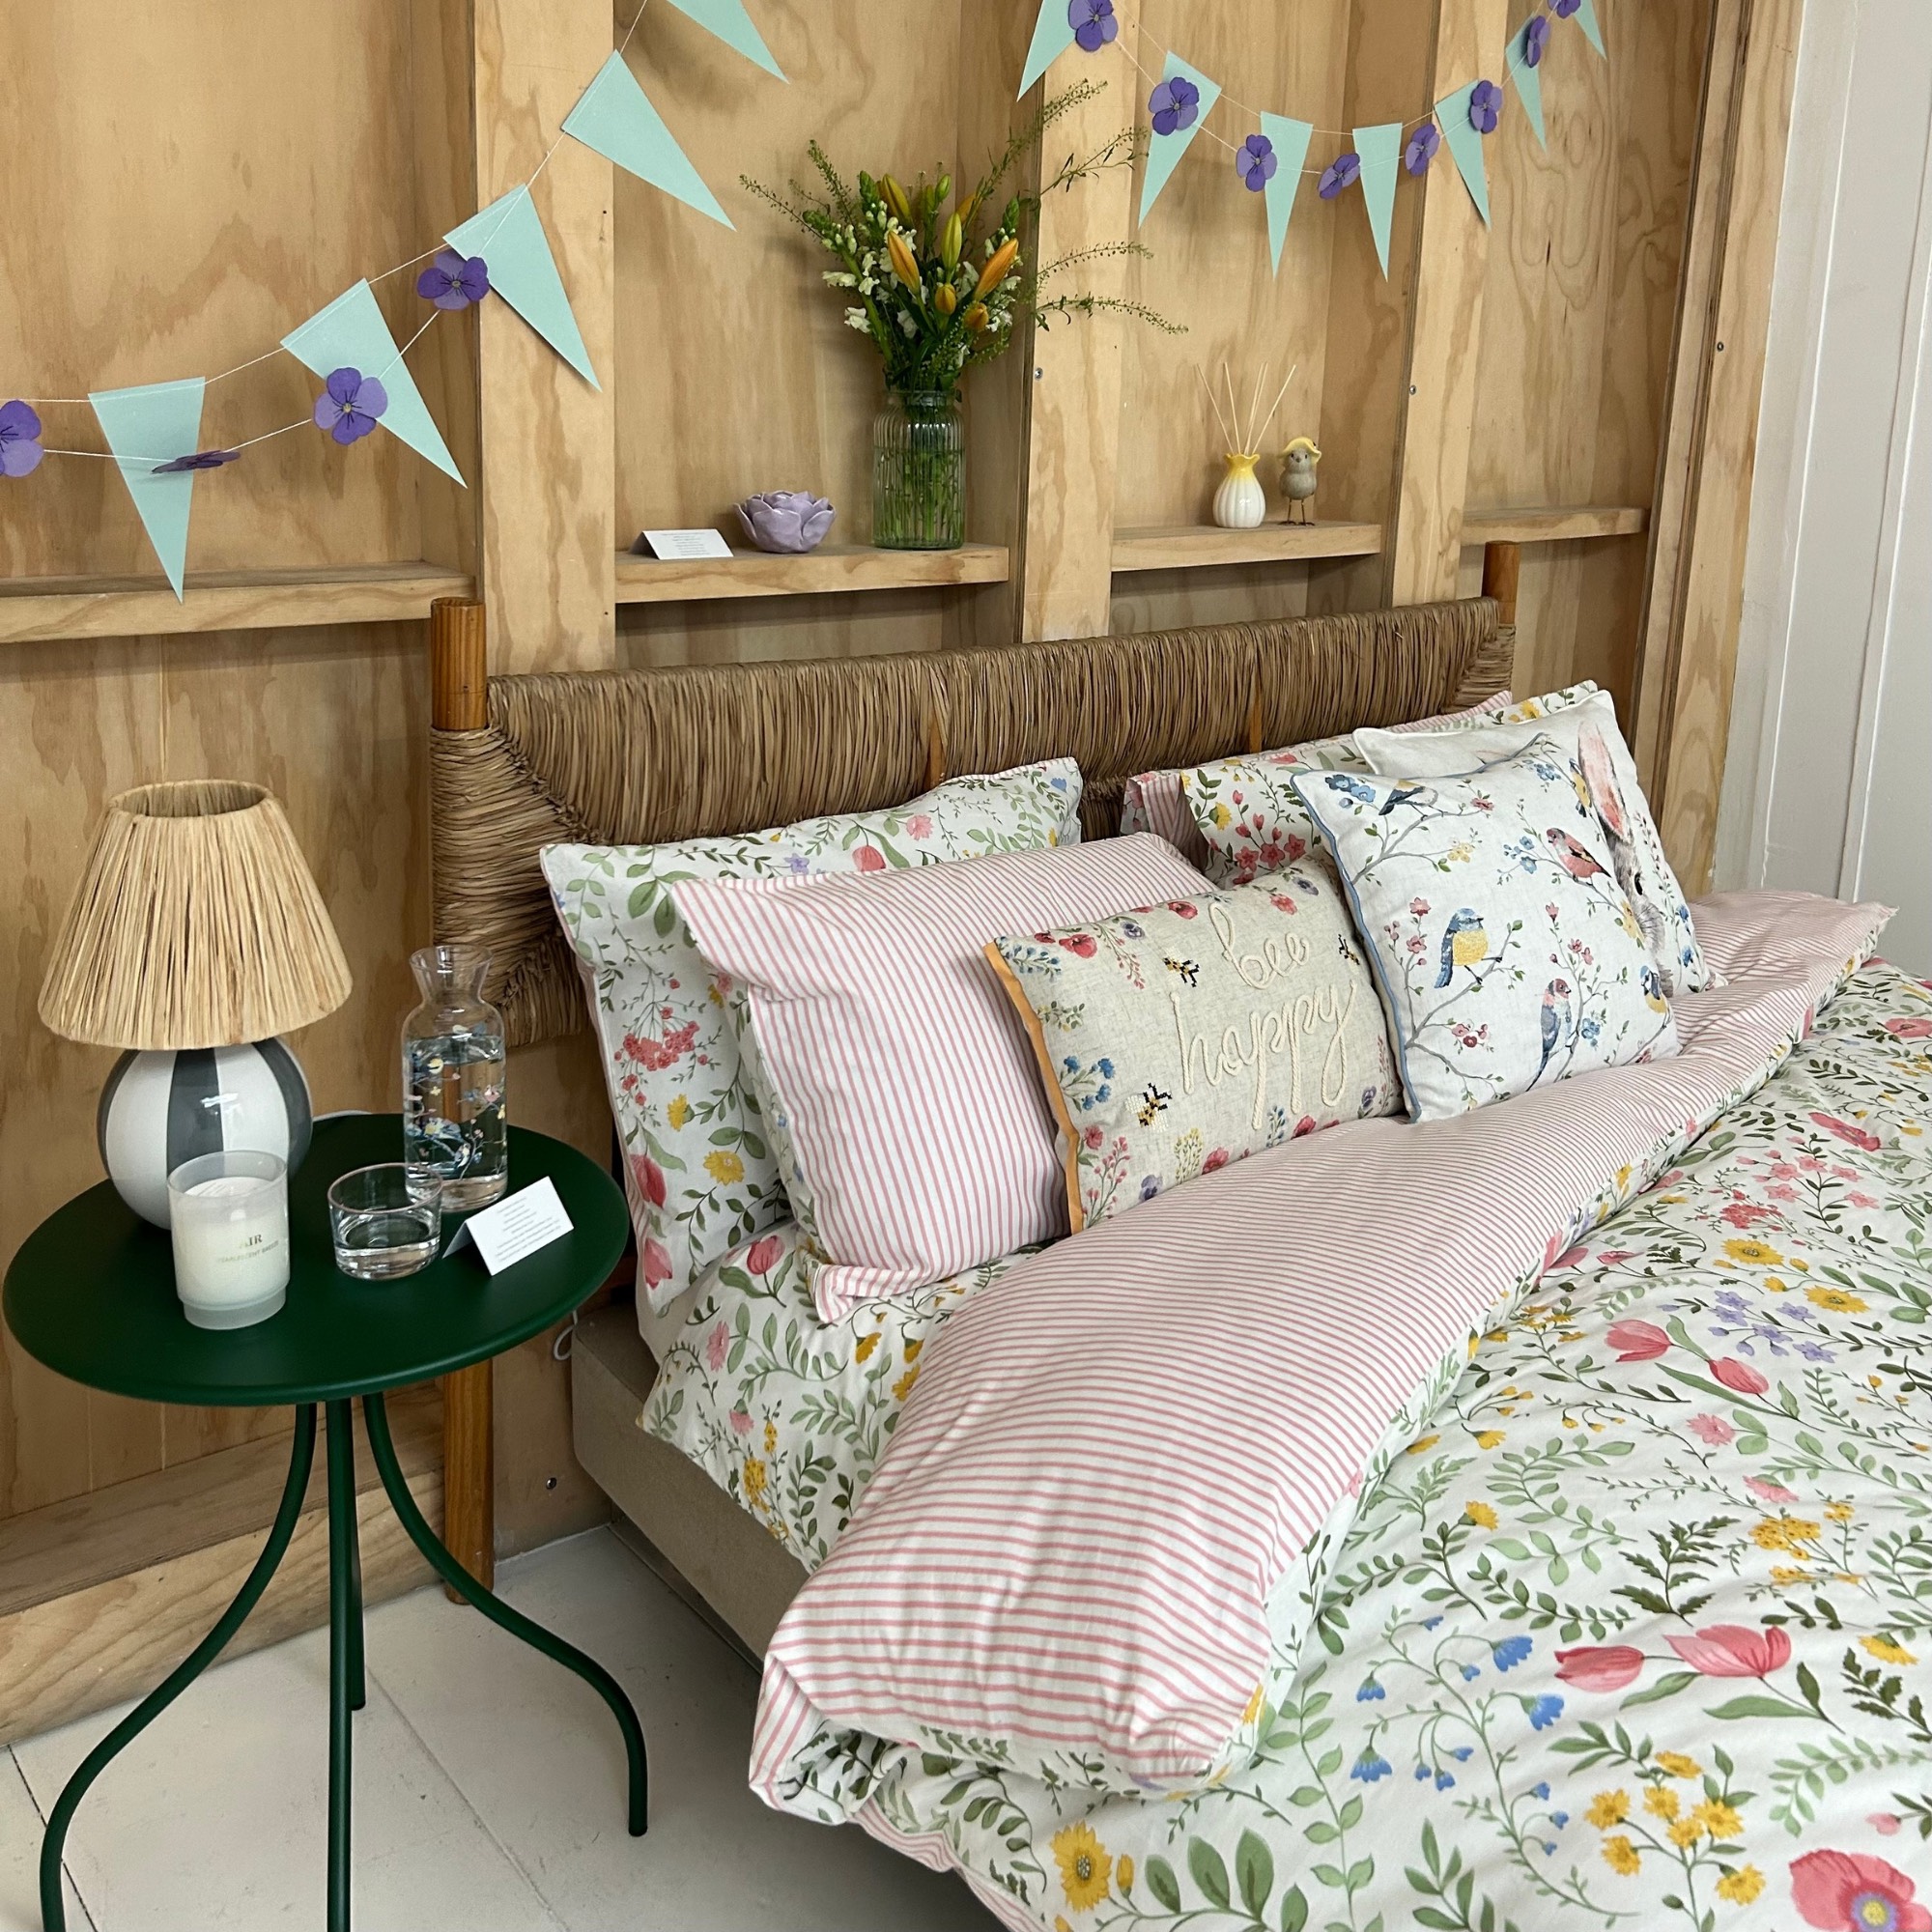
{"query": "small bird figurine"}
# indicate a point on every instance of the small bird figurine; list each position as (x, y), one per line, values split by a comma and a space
(1653, 990)
(1298, 478)
(1556, 1021)
(1576, 858)
(1465, 943)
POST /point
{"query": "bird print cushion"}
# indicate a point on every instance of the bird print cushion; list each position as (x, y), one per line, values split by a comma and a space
(1586, 733)
(1175, 1039)
(1505, 950)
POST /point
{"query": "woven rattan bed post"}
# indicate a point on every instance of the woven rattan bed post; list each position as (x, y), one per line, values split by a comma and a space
(459, 684)
(1502, 569)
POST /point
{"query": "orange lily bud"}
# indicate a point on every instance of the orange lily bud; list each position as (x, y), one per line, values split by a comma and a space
(904, 264)
(996, 271)
(944, 298)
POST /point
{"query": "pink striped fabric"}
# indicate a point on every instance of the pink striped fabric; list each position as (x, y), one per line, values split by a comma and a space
(914, 1134)
(1071, 1546)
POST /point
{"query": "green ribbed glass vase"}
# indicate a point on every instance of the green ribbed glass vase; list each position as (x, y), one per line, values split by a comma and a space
(919, 471)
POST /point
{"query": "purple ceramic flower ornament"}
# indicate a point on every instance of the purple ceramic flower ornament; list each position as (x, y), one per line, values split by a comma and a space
(1535, 38)
(1485, 106)
(1343, 172)
(1421, 148)
(1094, 24)
(450, 282)
(1566, 8)
(19, 439)
(1175, 104)
(348, 407)
(787, 520)
(1257, 162)
(202, 459)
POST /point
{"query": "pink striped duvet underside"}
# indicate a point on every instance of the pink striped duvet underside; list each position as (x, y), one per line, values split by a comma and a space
(1118, 1448)
(913, 1099)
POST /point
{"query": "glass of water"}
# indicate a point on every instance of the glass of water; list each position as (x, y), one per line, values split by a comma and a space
(379, 1229)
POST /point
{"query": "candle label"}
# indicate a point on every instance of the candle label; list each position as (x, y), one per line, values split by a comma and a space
(518, 1225)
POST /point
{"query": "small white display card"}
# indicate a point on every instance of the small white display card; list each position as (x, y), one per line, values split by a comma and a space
(518, 1225)
(673, 546)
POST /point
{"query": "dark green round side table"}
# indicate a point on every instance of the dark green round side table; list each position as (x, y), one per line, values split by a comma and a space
(92, 1294)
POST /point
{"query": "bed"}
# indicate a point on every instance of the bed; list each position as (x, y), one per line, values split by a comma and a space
(1628, 1625)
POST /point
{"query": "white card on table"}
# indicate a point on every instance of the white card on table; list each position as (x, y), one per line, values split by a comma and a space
(671, 546)
(518, 1225)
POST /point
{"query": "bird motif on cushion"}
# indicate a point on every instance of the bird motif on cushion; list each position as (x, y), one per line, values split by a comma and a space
(1653, 990)
(1401, 794)
(1574, 858)
(1558, 1022)
(1347, 782)
(1465, 943)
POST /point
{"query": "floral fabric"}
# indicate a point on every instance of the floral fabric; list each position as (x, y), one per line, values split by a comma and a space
(1175, 1039)
(1586, 733)
(1505, 949)
(699, 1172)
(1637, 1634)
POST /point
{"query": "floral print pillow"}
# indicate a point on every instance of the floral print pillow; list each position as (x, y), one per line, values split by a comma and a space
(1176, 1038)
(698, 1164)
(1505, 949)
(1248, 810)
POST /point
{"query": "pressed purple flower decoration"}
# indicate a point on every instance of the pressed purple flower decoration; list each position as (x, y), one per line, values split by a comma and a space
(348, 407)
(202, 459)
(450, 282)
(1565, 7)
(1257, 162)
(1344, 171)
(1421, 148)
(1535, 37)
(1175, 104)
(1485, 106)
(1093, 22)
(20, 449)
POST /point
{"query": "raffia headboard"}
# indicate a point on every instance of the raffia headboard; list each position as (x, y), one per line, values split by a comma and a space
(638, 757)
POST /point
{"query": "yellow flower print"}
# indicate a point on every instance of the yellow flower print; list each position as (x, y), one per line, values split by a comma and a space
(724, 1166)
(1059, 1924)
(1887, 1650)
(1608, 1809)
(1085, 1867)
(1422, 1442)
(1254, 1709)
(1661, 1801)
(1678, 1765)
(1784, 1574)
(679, 1111)
(912, 1350)
(1622, 1856)
(751, 1480)
(1481, 1514)
(867, 1344)
(903, 1386)
(1753, 1254)
(1837, 1300)
(1222, 815)
(771, 1439)
(1803, 1267)
(1488, 1439)
(1785, 1532)
(1685, 1832)
(1839, 1512)
(1741, 1886)
(1776, 1286)
(1123, 1872)
(1719, 1819)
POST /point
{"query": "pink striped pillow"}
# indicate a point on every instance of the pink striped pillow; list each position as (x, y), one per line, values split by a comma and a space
(899, 1089)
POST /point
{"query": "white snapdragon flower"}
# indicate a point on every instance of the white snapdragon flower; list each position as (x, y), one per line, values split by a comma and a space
(855, 317)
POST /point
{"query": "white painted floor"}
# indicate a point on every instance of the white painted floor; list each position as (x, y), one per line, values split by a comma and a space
(489, 1787)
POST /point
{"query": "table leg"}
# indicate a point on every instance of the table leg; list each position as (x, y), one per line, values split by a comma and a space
(534, 1634)
(344, 1650)
(301, 1460)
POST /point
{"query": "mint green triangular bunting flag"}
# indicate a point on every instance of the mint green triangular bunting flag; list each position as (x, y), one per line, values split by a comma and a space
(614, 116)
(1164, 151)
(1052, 36)
(349, 333)
(510, 237)
(1291, 146)
(147, 426)
(1381, 150)
(1528, 82)
(728, 20)
(1586, 19)
(1465, 146)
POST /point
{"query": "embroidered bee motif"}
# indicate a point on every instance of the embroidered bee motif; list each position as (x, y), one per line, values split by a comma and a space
(1154, 1104)
(1188, 971)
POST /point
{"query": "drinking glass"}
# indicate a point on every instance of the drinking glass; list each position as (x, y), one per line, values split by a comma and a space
(379, 1227)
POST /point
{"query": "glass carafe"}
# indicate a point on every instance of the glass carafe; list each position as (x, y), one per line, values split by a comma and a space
(455, 1131)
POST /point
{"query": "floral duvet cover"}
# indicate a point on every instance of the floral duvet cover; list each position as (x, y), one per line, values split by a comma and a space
(1638, 1631)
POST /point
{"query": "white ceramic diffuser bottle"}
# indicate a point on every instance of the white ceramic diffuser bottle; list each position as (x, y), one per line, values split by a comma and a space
(1240, 503)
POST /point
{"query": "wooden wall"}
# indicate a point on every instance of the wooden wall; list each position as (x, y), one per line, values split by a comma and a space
(186, 200)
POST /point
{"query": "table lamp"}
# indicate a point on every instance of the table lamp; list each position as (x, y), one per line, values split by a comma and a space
(195, 936)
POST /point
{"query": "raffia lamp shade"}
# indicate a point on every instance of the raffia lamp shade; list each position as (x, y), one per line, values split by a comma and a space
(196, 924)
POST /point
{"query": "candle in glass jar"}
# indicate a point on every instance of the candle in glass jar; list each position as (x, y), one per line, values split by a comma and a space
(229, 1215)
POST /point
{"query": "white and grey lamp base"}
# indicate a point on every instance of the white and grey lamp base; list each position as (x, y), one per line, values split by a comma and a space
(161, 1108)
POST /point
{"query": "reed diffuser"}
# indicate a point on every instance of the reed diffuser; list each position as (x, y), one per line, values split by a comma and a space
(1240, 503)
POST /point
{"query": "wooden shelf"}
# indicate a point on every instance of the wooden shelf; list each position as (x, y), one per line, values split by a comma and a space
(1198, 546)
(818, 573)
(1547, 526)
(36, 608)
